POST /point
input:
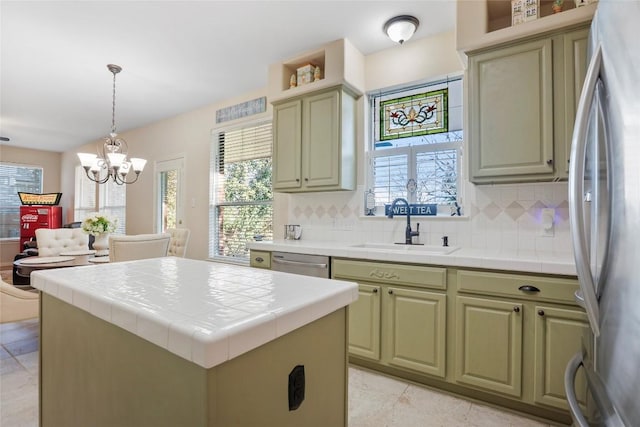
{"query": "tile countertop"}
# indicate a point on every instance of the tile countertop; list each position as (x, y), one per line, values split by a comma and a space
(205, 312)
(531, 262)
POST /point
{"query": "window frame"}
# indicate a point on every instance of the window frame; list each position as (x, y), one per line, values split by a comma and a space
(21, 165)
(213, 186)
(99, 201)
(412, 151)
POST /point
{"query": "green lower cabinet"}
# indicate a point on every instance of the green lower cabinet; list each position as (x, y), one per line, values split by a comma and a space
(558, 334)
(415, 330)
(400, 327)
(489, 344)
(364, 323)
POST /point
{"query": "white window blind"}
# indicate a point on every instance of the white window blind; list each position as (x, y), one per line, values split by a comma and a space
(241, 200)
(108, 198)
(401, 151)
(15, 178)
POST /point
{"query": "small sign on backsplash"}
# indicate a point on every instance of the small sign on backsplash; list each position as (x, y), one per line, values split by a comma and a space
(414, 209)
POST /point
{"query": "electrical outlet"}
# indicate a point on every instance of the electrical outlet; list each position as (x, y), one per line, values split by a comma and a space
(548, 222)
(296, 387)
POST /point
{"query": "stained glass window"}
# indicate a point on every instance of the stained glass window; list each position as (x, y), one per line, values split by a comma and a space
(417, 136)
(414, 115)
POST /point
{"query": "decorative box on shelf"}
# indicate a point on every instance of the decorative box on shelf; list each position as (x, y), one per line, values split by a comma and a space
(524, 11)
(305, 74)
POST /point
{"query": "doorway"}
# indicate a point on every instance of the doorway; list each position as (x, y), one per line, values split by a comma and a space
(169, 194)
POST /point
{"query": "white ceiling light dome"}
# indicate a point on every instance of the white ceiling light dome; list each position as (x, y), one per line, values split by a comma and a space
(401, 28)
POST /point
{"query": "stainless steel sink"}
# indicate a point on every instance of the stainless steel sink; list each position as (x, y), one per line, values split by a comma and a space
(426, 249)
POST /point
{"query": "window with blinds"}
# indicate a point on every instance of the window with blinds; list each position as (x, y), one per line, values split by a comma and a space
(417, 141)
(15, 178)
(108, 198)
(241, 199)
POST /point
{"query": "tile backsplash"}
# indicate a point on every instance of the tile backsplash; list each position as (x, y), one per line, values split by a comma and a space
(505, 217)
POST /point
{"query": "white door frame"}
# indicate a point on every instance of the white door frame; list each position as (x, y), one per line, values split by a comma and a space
(177, 162)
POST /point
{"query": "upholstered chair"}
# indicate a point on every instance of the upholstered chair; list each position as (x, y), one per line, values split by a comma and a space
(139, 246)
(178, 242)
(16, 304)
(51, 242)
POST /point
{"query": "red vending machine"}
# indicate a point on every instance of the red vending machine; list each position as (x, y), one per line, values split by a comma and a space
(35, 216)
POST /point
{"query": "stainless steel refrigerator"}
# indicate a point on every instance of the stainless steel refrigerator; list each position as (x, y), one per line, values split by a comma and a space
(604, 202)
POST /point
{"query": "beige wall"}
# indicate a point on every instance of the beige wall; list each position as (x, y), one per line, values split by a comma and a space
(50, 163)
(187, 135)
(190, 134)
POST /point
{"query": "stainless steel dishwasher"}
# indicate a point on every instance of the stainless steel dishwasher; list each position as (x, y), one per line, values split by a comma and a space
(307, 265)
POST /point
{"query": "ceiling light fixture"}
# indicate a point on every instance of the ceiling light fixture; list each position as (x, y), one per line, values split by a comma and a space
(401, 28)
(113, 150)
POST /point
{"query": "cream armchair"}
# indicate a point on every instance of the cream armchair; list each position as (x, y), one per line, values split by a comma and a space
(51, 242)
(178, 242)
(140, 246)
(16, 304)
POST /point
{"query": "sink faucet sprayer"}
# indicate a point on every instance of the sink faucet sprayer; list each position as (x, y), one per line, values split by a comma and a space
(408, 234)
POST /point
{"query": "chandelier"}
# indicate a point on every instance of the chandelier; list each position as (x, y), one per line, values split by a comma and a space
(112, 152)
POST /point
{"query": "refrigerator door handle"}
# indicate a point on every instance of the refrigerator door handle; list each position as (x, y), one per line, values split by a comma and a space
(569, 387)
(607, 413)
(576, 191)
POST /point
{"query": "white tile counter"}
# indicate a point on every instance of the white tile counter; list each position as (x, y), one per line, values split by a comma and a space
(474, 258)
(205, 312)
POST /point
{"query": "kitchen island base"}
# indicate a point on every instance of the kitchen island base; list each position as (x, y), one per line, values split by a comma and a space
(93, 373)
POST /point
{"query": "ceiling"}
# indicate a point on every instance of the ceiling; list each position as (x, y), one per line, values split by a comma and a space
(176, 56)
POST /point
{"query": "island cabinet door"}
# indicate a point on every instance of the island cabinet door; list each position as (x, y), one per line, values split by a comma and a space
(364, 323)
(489, 344)
(558, 333)
(415, 330)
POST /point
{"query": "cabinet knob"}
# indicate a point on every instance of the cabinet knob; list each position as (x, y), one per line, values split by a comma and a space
(550, 162)
(516, 309)
(540, 312)
(390, 291)
(375, 290)
(259, 259)
(297, 179)
(306, 179)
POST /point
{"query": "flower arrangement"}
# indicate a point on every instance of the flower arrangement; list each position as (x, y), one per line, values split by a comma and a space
(99, 224)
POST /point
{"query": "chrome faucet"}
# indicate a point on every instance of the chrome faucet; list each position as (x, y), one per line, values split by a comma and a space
(408, 234)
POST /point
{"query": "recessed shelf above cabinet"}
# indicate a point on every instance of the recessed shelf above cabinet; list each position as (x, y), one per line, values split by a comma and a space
(487, 23)
(341, 64)
(499, 12)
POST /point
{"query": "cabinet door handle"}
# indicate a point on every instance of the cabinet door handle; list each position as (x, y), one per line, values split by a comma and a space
(306, 179)
(516, 309)
(375, 290)
(550, 162)
(528, 288)
(259, 259)
(297, 179)
(390, 291)
(540, 312)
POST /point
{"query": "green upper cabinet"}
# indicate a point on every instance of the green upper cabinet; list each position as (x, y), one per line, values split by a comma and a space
(314, 142)
(522, 107)
(575, 63)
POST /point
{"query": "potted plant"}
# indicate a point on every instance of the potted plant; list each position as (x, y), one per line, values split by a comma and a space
(100, 226)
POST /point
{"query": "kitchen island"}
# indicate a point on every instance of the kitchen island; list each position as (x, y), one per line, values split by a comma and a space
(171, 341)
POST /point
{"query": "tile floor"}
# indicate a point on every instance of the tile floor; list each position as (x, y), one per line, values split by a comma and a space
(374, 400)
